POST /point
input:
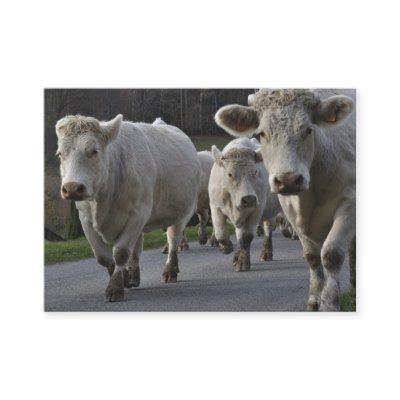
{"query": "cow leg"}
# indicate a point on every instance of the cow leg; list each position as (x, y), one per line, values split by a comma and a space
(312, 253)
(221, 231)
(123, 248)
(212, 241)
(203, 219)
(333, 254)
(267, 251)
(101, 250)
(352, 262)
(241, 258)
(183, 244)
(260, 229)
(132, 273)
(174, 235)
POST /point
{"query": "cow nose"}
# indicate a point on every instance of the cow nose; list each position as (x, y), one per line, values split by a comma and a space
(249, 201)
(289, 183)
(73, 191)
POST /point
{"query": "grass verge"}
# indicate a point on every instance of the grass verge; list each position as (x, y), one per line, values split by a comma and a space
(78, 249)
(348, 301)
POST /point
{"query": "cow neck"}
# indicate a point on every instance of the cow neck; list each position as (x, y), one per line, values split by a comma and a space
(109, 190)
(324, 165)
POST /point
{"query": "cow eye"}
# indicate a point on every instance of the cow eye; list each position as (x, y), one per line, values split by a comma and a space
(265, 136)
(230, 175)
(309, 130)
(94, 152)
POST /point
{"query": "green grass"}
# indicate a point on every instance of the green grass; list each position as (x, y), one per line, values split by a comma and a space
(205, 142)
(79, 249)
(348, 301)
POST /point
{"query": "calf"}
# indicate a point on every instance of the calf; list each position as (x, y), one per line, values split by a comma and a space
(124, 178)
(308, 142)
(237, 190)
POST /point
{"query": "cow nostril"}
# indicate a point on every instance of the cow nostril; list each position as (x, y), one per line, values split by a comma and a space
(248, 200)
(80, 188)
(277, 181)
(299, 180)
(64, 190)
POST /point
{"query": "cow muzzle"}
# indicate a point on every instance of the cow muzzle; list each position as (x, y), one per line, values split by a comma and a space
(74, 191)
(289, 183)
(248, 201)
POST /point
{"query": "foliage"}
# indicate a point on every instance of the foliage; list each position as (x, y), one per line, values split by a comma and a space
(78, 249)
(74, 228)
(348, 301)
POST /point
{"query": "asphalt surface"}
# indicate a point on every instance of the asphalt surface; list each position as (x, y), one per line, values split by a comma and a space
(206, 282)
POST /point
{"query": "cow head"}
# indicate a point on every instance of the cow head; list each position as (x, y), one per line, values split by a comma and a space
(240, 175)
(81, 145)
(286, 121)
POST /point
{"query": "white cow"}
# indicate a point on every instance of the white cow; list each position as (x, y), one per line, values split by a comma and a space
(124, 178)
(238, 192)
(203, 200)
(308, 141)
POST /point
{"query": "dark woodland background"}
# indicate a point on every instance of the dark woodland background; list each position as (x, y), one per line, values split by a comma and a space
(192, 110)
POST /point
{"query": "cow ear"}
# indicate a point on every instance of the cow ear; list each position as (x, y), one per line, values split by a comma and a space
(110, 129)
(258, 156)
(334, 110)
(237, 120)
(217, 155)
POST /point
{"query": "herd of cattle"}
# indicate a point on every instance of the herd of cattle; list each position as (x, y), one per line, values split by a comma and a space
(129, 178)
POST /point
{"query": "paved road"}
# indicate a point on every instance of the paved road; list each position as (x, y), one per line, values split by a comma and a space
(206, 283)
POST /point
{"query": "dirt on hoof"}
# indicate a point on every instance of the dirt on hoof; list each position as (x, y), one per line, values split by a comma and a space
(202, 238)
(241, 260)
(266, 256)
(226, 246)
(183, 246)
(132, 278)
(213, 242)
(115, 288)
(312, 305)
(170, 276)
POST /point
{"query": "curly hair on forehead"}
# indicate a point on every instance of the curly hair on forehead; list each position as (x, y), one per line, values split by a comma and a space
(73, 125)
(237, 154)
(266, 98)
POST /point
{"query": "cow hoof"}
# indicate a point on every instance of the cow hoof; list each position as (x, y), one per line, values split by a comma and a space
(241, 261)
(333, 306)
(213, 242)
(170, 277)
(238, 267)
(226, 246)
(115, 288)
(131, 278)
(266, 256)
(182, 247)
(165, 249)
(203, 239)
(312, 305)
(113, 294)
(260, 231)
